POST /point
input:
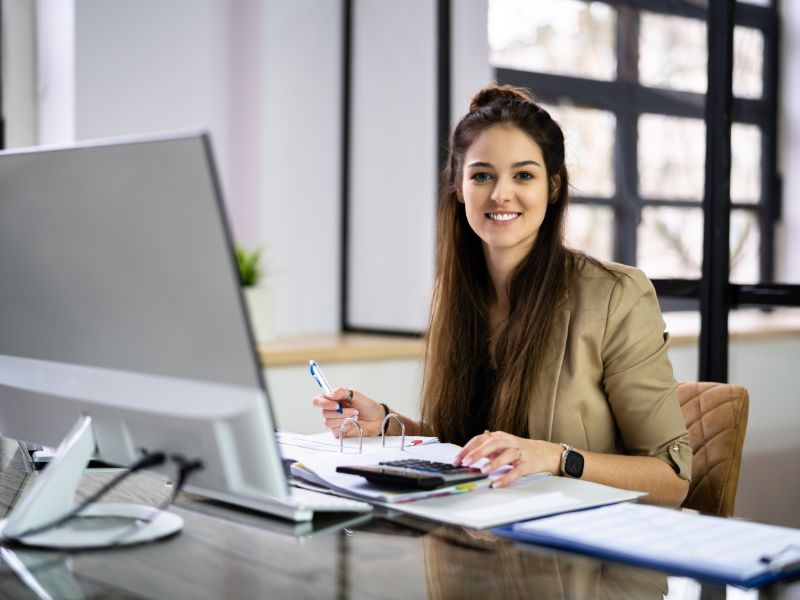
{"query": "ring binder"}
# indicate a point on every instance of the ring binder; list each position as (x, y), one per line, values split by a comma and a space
(402, 430)
(360, 434)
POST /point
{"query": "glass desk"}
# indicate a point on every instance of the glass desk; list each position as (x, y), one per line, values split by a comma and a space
(229, 553)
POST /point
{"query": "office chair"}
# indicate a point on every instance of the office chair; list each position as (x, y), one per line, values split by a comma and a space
(716, 417)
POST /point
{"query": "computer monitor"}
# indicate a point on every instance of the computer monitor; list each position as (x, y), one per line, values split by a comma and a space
(123, 328)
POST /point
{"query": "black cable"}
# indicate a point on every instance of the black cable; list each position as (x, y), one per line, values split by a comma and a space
(150, 460)
(187, 467)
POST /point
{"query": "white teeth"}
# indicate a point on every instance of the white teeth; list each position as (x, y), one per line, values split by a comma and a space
(503, 216)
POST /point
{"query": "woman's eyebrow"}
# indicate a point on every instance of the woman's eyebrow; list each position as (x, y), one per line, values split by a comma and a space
(524, 163)
(516, 165)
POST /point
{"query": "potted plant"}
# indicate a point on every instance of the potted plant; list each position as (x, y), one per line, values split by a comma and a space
(259, 298)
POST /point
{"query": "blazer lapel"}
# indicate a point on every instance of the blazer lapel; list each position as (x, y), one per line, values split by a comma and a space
(543, 396)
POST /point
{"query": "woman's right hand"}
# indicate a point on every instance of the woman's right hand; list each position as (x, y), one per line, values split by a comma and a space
(369, 413)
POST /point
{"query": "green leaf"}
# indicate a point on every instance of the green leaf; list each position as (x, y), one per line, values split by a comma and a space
(248, 261)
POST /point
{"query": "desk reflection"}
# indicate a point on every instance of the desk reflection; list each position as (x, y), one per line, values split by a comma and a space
(46, 575)
(465, 564)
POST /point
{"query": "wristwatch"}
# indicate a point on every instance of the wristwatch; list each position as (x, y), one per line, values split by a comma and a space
(571, 462)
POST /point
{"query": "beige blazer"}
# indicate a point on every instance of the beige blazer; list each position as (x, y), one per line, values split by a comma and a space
(610, 386)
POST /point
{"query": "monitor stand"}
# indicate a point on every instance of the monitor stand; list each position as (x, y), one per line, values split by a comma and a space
(98, 525)
(36, 458)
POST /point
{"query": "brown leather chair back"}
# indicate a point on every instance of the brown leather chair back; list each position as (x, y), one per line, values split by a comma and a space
(716, 417)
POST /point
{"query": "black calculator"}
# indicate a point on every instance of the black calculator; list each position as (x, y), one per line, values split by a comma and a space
(415, 473)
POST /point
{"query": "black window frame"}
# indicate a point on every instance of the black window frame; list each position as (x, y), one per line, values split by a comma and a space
(627, 99)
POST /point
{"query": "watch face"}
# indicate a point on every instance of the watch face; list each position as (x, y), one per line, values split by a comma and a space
(573, 465)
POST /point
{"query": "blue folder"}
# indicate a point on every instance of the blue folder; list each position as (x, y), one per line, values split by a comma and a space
(779, 558)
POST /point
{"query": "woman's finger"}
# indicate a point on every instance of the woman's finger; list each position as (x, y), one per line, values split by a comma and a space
(470, 446)
(509, 456)
(490, 444)
(508, 478)
(335, 414)
(324, 403)
(334, 417)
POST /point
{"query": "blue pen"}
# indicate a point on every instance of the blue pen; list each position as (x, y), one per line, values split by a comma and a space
(319, 377)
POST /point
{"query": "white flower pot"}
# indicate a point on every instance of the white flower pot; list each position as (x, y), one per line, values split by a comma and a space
(261, 306)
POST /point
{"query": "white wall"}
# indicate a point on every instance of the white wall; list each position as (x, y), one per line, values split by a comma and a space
(114, 68)
(152, 66)
(55, 61)
(262, 76)
(393, 169)
(397, 383)
(19, 73)
(392, 164)
(299, 186)
(470, 54)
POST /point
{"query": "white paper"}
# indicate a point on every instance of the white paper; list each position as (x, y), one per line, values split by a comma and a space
(530, 498)
(299, 446)
(521, 507)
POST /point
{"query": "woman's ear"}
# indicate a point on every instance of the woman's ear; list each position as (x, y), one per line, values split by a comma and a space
(555, 188)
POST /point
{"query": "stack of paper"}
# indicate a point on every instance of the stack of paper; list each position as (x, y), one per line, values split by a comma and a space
(536, 495)
(317, 456)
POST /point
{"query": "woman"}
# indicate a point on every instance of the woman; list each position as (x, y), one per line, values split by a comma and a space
(538, 356)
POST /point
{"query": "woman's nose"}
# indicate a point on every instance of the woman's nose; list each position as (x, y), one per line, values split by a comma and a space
(502, 191)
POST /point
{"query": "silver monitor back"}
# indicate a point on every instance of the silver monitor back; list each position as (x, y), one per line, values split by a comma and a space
(120, 300)
(118, 255)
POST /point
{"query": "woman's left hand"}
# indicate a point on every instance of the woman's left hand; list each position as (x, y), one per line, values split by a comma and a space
(525, 456)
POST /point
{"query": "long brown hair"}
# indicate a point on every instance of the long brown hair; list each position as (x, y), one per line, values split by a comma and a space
(458, 331)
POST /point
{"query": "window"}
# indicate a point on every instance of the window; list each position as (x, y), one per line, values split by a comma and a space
(627, 80)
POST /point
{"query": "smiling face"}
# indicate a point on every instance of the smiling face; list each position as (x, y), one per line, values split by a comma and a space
(505, 191)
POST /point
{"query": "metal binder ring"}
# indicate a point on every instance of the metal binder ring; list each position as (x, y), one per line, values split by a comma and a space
(402, 430)
(341, 434)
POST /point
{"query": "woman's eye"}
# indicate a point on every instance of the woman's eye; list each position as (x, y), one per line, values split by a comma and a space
(524, 176)
(481, 177)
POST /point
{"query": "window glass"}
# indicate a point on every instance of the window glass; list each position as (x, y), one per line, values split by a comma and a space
(670, 242)
(672, 52)
(748, 62)
(745, 163)
(589, 145)
(671, 159)
(745, 240)
(590, 229)
(568, 37)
